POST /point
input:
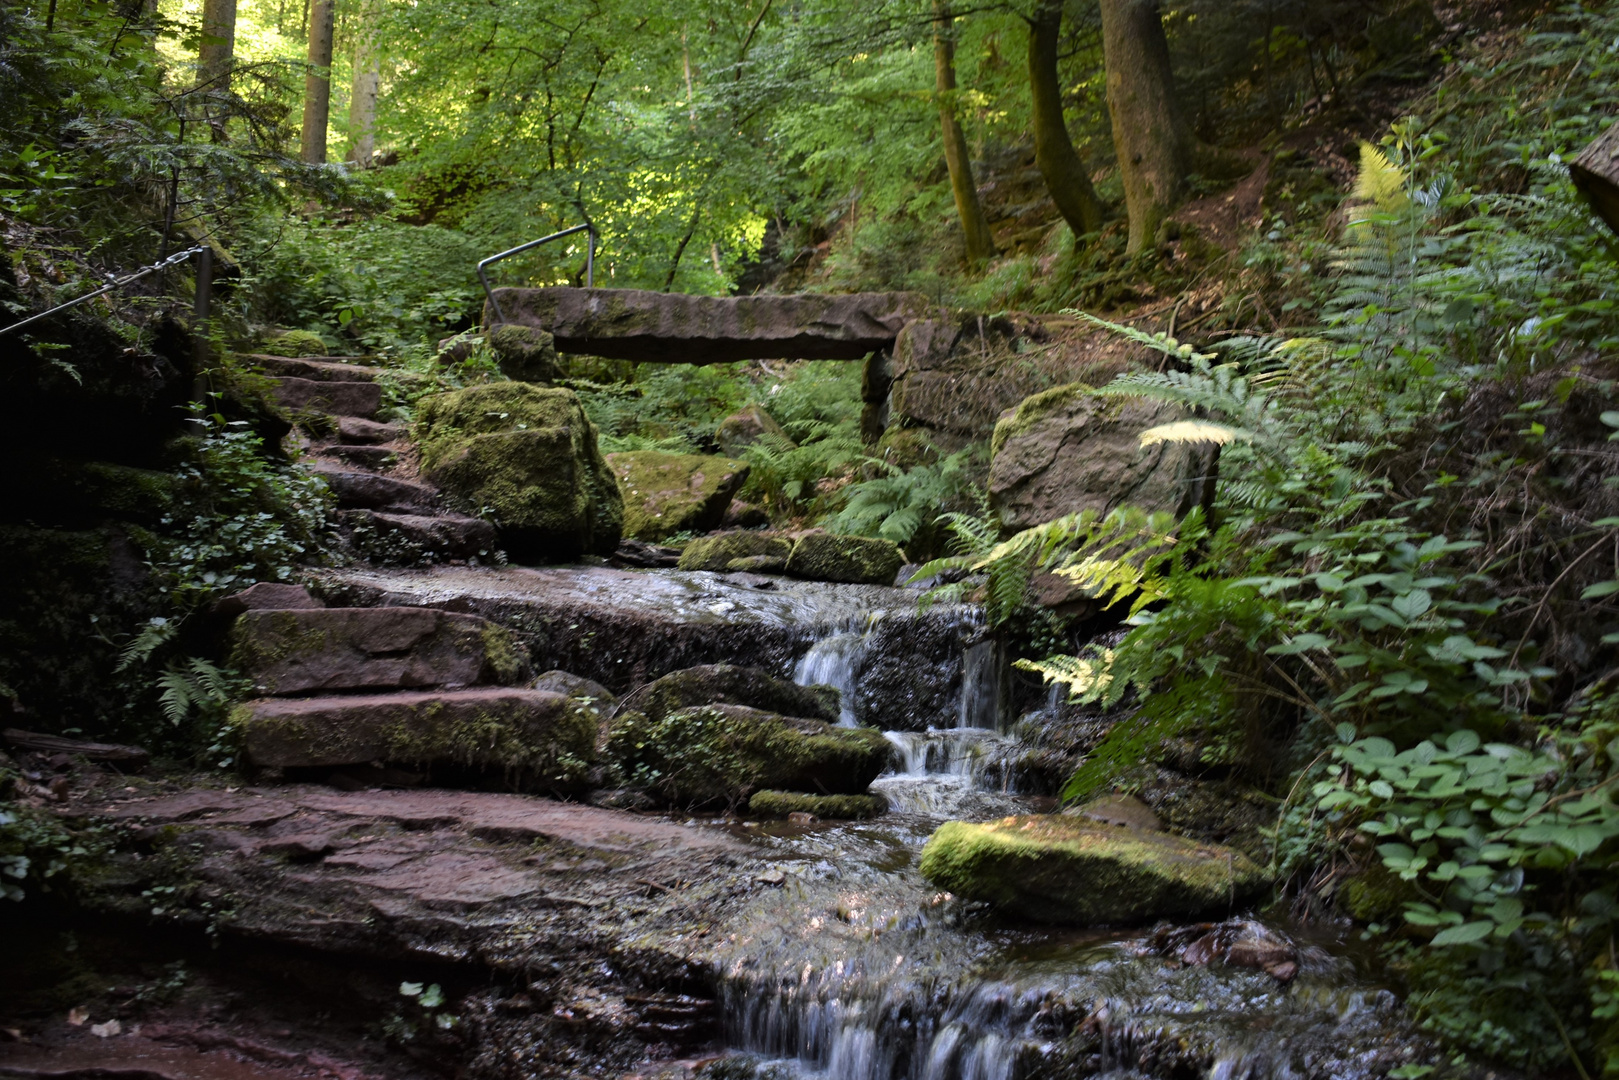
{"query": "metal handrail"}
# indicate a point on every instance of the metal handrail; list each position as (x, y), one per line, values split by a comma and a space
(112, 283)
(590, 262)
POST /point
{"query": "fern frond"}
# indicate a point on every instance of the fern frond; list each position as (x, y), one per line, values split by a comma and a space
(178, 696)
(1380, 181)
(1199, 432)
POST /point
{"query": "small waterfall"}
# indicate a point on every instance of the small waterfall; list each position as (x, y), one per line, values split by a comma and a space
(983, 689)
(960, 772)
(835, 661)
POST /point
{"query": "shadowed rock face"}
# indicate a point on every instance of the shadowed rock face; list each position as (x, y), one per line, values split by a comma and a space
(634, 324)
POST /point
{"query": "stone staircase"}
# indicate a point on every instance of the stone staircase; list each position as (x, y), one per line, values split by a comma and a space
(391, 516)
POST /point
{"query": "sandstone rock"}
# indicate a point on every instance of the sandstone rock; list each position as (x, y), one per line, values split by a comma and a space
(271, 595)
(356, 431)
(1067, 450)
(365, 457)
(856, 559)
(742, 429)
(714, 754)
(535, 738)
(311, 367)
(729, 684)
(743, 515)
(665, 494)
(526, 459)
(784, 804)
(638, 553)
(294, 343)
(1069, 870)
(575, 686)
(367, 490)
(524, 353)
(720, 551)
(636, 324)
(325, 649)
(337, 398)
(1126, 810)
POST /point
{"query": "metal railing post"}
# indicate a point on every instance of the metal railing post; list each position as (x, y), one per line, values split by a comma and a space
(590, 263)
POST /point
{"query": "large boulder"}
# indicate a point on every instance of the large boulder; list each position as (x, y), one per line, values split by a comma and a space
(854, 559)
(1066, 450)
(532, 738)
(665, 494)
(729, 684)
(316, 650)
(524, 353)
(721, 551)
(1082, 872)
(526, 459)
(742, 429)
(722, 754)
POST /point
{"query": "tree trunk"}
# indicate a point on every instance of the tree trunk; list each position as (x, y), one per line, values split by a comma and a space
(363, 93)
(1066, 177)
(218, 47)
(1149, 135)
(318, 82)
(980, 244)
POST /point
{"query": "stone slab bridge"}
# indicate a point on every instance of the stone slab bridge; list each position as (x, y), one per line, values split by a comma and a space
(879, 329)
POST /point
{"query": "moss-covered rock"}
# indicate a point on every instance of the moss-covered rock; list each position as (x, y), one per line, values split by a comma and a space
(730, 684)
(758, 564)
(856, 559)
(720, 551)
(524, 353)
(742, 429)
(525, 459)
(721, 754)
(294, 343)
(778, 804)
(665, 494)
(1080, 872)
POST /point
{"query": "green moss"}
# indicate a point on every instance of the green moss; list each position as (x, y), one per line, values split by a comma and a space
(525, 458)
(524, 353)
(665, 494)
(778, 804)
(720, 551)
(722, 754)
(1068, 870)
(907, 447)
(1376, 895)
(294, 343)
(731, 684)
(1036, 408)
(275, 636)
(505, 660)
(856, 559)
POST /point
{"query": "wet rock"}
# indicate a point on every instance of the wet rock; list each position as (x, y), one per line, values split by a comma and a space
(575, 686)
(645, 556)
(757, 564)
(325, 649)
(729, 684)
(1066, 450)
(665, 494)
(1126, 810)
(356, 489)
(721, 754)
(532, 737)
(720, 551)
(742, 429)
(1238, 942)
(409, 538)
(297, 395)
(636, 324)
(526, 459)
(267, 595)
(1057, 869)
(855, 559)
(784, 804)
(524, 353)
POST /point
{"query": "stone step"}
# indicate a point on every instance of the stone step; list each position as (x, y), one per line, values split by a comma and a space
(356, 489)
(354, 431)
(366, 457)
(361, 399)
(318, 368)
(535, 738)
(431, 537)
(320, 650)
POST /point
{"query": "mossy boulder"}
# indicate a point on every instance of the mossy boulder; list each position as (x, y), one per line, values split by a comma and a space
(719, 552)
(524, 458)
(742, 429)
(779, 804)
(854, 559)
(665, 494)
(721, 754)
(294, 343)
(1066, 450)
(1080, 872)
(524, 353)
(730, 684)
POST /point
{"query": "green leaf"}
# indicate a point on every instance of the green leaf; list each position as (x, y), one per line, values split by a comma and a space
(1465, 934)
(1601, 589)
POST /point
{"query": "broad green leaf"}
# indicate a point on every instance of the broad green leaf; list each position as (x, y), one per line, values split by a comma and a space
(1464, 934)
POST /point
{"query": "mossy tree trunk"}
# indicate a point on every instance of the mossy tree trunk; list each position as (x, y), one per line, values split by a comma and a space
(1066, 177)
(363, 92)
(980, 244)
(318, 82)
(1149, 134)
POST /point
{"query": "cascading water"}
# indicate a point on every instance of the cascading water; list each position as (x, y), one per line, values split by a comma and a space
(835, 661)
